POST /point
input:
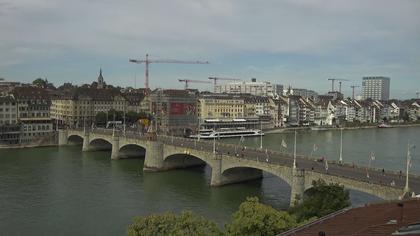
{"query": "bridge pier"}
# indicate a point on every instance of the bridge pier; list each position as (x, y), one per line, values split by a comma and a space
(298, 186)
(86, 146)
(62, 137)
(153, 160)
(216, 173)
(115, 153)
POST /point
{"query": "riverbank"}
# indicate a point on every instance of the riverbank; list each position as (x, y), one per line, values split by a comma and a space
(43, 142)
(287, 129)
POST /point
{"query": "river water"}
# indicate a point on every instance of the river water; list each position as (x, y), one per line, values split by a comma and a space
(63, 191)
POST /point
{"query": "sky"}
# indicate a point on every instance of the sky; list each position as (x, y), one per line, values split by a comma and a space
(300, 43)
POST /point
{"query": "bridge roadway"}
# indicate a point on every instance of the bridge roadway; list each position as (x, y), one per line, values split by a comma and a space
(346, 170)
(385, 184)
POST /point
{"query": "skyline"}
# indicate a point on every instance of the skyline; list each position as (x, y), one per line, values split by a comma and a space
(299, 43)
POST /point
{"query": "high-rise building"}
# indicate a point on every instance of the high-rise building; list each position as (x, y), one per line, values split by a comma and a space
(376, 87)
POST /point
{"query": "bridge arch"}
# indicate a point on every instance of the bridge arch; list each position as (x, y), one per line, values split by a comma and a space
(284, 173)
(182, 160)
(381, 191)
(75, 139)
(100, 143)
(131, 150)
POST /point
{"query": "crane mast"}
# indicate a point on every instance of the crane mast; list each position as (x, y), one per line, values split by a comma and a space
(353, 87)
(332, 83)
(148, 61)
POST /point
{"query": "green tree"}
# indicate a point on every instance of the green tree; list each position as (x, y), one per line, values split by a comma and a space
(40, 83)
(321, 200)
(101, 118)
(255, 218)
(165, 224)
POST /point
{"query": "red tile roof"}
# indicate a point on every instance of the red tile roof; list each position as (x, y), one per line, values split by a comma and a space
(370, 220)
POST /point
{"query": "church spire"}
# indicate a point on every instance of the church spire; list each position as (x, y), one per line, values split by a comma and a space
(101, 82)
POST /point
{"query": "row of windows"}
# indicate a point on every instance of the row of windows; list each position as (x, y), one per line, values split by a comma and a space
(7, 109)
(7, 122)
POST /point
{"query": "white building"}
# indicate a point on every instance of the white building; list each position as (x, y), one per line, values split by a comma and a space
(376, 87)
(253, 87)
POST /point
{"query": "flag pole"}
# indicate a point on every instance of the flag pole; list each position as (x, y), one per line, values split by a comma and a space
(341, 146)
(261, 136)
(407, 188)
(294, 153)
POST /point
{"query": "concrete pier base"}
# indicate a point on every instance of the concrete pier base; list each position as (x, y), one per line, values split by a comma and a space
(298, 187)
(62, 137)
(115, 148)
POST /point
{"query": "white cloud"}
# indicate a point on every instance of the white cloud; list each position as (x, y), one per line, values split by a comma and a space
(384, 32)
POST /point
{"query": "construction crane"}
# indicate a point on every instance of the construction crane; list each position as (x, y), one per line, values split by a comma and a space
(215, 79)
(417, 93)
(332, 83)
(148, 61)
(353, 87)
(187, 81)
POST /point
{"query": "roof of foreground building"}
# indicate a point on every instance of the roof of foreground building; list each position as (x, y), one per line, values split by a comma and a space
(386, 218)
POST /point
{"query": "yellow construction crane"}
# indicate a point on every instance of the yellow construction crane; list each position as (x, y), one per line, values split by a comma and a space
(148, 61)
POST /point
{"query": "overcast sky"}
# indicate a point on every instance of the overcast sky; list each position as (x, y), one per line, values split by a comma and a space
(292, 42)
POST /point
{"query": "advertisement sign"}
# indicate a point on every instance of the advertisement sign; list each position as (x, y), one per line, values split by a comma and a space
(182, 108)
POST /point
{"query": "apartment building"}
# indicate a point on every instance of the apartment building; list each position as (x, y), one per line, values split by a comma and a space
(33, 113)
(376, 87)
(78, 107)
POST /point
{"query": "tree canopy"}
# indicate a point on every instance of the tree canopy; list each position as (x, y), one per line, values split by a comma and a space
(321, 200)
(186, 223)
(255, 218)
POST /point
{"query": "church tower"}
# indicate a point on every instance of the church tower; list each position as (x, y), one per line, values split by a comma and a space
(101, 83)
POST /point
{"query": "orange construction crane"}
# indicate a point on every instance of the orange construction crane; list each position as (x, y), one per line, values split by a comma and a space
(352, 87)
(187, 81)
(215, 79)
(148, 61)
(332, 83)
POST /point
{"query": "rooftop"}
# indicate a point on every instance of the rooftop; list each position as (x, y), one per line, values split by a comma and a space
(370, 220)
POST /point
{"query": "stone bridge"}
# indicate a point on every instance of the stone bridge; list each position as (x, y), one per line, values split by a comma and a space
(228, 165)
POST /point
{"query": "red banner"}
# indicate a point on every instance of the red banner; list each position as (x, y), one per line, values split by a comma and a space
(182, 108)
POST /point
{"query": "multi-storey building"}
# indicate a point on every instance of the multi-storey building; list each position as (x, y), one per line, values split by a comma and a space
(78, 107)
(33, 113)
(9, 127)
(376, 87)
(8, 110)
(174, 111)
(216, 106)
(253, 87)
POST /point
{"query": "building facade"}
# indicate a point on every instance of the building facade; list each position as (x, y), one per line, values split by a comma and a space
(376, 87)
(251, 87)
(79, 107)
(174, 111)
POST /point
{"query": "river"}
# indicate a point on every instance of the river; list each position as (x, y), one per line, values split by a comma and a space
(63, 191)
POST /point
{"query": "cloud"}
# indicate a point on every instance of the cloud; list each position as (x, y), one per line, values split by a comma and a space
(331, 33)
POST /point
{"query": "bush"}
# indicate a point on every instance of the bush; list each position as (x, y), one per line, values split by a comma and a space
(254, 218)
(165, 224)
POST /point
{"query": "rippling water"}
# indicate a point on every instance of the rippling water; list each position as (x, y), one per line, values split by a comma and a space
(63, 191)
